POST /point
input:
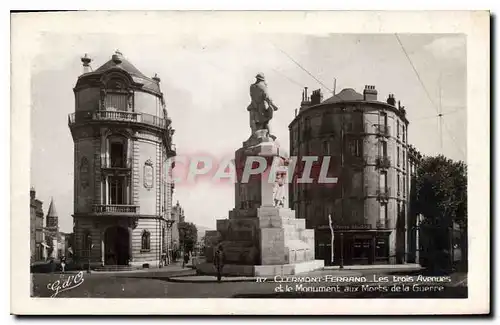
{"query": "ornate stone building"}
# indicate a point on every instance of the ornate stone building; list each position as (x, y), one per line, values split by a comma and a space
(37, 238)
(368, 145)
(123, 190)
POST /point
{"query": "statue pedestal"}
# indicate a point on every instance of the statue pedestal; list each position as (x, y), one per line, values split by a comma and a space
(260, 238)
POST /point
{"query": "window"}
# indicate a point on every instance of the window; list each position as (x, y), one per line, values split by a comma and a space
(355, 147)
(117, 154)
(383, 180)
(404, 186)
(398, 157)
(116, 102)
(383, 148)
(117, 190)
(145, 240)
(383, 118)
(397, 127)
(404, 161)
(403, 131)
(383, 215)
(399, 180)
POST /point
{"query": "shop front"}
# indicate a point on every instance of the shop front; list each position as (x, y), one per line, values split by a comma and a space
(352, 246)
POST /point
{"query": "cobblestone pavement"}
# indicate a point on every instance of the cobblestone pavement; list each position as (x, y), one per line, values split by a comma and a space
(97, 285)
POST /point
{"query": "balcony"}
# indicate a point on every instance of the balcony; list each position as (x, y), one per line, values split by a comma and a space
(382, 130)
(383, 193)
(381, 224)
(113, 163)
(383, 162)
(115, 208)
(117, 116)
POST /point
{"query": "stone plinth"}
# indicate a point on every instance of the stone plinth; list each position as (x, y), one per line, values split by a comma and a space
(262, 237)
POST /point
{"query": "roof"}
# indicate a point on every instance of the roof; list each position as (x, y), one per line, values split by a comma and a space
(52, 209)
(118, 61)
(347, 94)
(124, 65)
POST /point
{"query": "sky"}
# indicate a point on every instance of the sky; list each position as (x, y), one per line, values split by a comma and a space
(205, 80)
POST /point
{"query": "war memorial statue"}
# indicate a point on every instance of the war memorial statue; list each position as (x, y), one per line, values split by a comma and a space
(262, 236)
(262, 107)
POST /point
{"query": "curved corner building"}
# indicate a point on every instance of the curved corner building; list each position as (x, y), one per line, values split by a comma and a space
(368, 144)
(122, 140)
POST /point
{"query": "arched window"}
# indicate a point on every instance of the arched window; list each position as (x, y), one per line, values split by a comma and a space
(145, 240)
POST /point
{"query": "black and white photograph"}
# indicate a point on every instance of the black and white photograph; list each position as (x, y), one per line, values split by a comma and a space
(252, 157)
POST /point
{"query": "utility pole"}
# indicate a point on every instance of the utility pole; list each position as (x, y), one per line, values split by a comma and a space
(440, 115)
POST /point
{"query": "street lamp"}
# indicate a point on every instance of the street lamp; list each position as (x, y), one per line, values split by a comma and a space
(170, 222)
(341, 250)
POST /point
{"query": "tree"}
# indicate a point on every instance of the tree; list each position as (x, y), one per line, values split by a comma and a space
(188, 235)
(441, 197)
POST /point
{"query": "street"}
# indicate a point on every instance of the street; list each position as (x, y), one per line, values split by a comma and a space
(99, 285)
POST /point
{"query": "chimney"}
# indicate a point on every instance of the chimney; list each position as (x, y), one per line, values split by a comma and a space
(86, 63)
(370, 93)
(32, 193)
(117, 57)
(295, 112)
(306, 101)
(316, 97)
(391, 100)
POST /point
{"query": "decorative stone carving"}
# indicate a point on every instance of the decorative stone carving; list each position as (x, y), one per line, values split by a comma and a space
(148, 174)
(84, 173)
(279, 190)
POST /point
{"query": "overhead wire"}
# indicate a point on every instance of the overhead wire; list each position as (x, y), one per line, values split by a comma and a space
(427, 93)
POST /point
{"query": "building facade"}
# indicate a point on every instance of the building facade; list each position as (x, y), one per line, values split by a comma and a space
(367, 144)
(123, 186)
(37, 238)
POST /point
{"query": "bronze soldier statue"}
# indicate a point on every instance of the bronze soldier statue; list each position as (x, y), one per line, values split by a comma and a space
(261, 108)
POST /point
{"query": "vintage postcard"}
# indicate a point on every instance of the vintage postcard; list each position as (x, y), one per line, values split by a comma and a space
(206, 159)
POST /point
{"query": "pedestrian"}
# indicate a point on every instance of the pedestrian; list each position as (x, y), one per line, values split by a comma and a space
(219, 261)
(186, 259)
(63, 263)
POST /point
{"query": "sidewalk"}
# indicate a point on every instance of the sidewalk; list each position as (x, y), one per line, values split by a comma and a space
(385, 267)
(174, 269)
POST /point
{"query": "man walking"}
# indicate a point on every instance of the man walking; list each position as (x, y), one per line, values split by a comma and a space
(219, 261)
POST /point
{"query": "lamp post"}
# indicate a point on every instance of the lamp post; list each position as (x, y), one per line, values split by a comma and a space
(170, 222)
(341, 250)
(88, 255)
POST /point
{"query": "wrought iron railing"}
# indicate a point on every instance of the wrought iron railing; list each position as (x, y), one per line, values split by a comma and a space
(111, 162)
(122, 116)
(383, 193)
(382, 130)
(114, 208)
(383, 162)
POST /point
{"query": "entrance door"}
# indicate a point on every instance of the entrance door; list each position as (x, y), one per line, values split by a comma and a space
(116, 244)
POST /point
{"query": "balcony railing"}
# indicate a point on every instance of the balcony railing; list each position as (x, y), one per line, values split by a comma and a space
(122, 116)
(114, 208)
(383, 162)
(383, 193)
(119, 163)
(382, 130)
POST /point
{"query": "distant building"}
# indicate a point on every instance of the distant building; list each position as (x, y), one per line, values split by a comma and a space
(367, 141)
(178, 217)
(123, 186)
(51, 231)
(37, 238)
